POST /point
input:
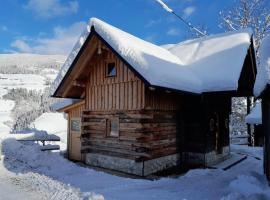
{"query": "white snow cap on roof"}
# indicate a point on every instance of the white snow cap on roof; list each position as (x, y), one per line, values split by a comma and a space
(263, 76)
(211, 63)
(255, 116)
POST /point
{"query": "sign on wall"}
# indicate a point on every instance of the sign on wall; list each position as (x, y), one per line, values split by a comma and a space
(75, 125)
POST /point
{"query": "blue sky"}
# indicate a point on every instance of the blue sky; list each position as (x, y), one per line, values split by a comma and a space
(53, 26)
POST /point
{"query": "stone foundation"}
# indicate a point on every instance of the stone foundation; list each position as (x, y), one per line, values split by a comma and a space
(159, 164)
(206, 159)
(213, 158)
(130, 166)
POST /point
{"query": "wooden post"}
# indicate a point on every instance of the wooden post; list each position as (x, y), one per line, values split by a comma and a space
(248, 125)
(266, 132)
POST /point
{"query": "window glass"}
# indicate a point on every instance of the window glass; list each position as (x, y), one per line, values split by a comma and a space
(111, 69)
(113, 127)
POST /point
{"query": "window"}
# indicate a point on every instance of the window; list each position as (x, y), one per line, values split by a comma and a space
(111, 69)
(113, 127)
(75, 125)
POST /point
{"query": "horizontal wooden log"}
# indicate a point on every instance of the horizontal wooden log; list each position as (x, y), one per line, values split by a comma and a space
(115, 150)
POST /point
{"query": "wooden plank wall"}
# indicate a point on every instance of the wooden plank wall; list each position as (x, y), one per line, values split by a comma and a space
(123, 92)
(76, 111)
(144, 135)
(162, 100)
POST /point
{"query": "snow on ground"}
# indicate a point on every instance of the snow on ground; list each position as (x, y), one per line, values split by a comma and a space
(5, 109)
(9, 192)
(244, 181)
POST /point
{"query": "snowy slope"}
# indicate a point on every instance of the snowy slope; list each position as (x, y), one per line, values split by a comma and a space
(211, 63)
(30, 60)
(43, 65)
(5, 109)
(28, 81)
(40, 68)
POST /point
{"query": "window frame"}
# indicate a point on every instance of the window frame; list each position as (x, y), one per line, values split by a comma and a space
(109, 123)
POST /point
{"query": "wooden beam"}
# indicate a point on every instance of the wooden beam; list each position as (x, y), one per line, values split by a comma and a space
(79, 83)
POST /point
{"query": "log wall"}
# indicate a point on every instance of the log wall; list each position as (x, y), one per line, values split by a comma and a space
(144, 135)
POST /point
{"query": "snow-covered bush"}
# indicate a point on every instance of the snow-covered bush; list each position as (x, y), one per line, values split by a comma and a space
(29, 104)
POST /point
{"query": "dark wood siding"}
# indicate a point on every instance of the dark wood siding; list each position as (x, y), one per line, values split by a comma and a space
(162, 100)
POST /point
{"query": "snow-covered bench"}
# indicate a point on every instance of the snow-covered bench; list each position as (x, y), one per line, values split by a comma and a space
(39, 138)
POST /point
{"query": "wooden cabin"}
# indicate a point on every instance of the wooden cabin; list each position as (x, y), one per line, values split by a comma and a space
(140, 123)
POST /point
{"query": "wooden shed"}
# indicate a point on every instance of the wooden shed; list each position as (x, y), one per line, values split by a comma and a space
(143, 110)
(262, 90)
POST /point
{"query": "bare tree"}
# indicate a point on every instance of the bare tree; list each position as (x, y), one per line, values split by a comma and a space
(254, 14)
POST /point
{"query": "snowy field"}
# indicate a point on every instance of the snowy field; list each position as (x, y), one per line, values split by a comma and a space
(27, 173)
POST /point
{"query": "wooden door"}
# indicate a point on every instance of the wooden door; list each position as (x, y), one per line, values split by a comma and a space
(215, 129)
(75, 139)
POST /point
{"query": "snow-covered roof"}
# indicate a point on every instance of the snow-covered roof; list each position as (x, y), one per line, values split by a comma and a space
(255, 116)
(211, 63)
(64, 103)
(263, 76)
